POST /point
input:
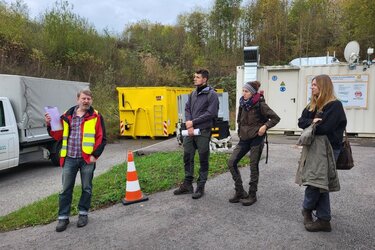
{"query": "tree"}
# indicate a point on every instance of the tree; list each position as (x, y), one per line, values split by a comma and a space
(357, 23)
(315, 27)
(196, 29)
(224, 22)
(267, 26)
(14, 36)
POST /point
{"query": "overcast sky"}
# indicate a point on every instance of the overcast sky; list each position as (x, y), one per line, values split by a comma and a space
(115, 14)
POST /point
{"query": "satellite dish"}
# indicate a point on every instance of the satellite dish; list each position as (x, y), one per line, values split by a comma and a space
(351, 52)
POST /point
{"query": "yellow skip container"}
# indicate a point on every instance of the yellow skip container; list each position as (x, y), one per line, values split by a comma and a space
(149, 111)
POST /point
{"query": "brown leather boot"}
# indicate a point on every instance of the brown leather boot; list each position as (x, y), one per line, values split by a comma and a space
(319, 225)
(250, 200)
(240, 194)
(185, 188)
(307, 216)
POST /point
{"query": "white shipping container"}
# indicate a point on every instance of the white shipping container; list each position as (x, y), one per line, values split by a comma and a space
(287, 92)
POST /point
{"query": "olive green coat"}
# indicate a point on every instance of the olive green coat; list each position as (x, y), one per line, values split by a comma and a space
(317, 166)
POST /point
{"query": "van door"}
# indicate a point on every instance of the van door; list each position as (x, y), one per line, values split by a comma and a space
(8, 139)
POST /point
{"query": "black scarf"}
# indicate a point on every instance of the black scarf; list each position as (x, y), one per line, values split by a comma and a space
(247, 104)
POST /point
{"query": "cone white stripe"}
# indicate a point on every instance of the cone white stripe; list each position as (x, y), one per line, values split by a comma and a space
(131, 166)
(132, 186)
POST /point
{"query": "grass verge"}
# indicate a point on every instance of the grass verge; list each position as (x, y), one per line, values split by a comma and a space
(156, 172)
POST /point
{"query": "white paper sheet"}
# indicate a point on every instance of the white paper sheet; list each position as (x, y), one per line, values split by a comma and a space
(55, 118)
(185, 132)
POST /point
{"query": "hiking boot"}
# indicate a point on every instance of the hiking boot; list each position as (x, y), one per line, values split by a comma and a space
(185, 188)
(241, 194)
(198, 193)
(250, 200)
(319, 225)
(82, 220)
(62, 225)
(307, 216)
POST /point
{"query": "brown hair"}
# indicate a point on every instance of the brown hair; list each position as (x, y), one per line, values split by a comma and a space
(255, 84)
(84, 91)
(326, 93)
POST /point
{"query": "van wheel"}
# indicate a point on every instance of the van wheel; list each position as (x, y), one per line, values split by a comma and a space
(55, 154)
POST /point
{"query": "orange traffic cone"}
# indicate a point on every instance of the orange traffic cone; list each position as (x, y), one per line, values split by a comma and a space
(133, 192)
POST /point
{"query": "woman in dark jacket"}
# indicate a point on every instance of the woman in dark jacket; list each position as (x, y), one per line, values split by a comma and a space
(328, 113)
(254, 118)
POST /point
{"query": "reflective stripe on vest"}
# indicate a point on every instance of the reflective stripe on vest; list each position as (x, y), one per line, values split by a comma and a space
(88, 137)
(64, 145)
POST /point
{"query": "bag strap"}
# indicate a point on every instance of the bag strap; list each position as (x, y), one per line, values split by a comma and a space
(264, 119)
(266, 148)
(346, 136)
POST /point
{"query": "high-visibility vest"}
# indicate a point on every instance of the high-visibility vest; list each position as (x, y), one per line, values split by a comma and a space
(88, 137)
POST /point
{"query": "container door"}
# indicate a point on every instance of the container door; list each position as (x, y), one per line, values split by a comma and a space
(282, 97)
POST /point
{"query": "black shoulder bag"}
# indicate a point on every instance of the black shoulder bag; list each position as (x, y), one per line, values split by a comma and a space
(345, 160)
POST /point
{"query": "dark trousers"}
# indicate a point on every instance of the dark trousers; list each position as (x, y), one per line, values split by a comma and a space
(315, 200)
(202, 144)
(255, 146)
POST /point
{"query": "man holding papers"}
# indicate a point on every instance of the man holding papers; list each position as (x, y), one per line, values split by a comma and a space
(201, 109)
(83, 141)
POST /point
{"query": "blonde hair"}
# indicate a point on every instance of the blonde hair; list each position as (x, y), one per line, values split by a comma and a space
(326, 93)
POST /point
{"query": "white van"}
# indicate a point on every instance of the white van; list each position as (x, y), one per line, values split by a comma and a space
(23, 133)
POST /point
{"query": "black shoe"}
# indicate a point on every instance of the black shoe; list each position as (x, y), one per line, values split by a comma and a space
(82, 220)
(250, 200)
(238, 196)
(319, 225)
(185, 188)
(62, 225)
(198, 193)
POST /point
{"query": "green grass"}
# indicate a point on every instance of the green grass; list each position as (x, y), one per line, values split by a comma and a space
(156, 172)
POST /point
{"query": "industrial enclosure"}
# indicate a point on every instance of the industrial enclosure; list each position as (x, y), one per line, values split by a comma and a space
(287, 92)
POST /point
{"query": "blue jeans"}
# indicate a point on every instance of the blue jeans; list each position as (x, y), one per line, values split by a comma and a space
(69, 173)
(315, 200)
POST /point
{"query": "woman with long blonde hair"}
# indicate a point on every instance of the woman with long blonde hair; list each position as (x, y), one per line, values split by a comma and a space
(327, 113)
